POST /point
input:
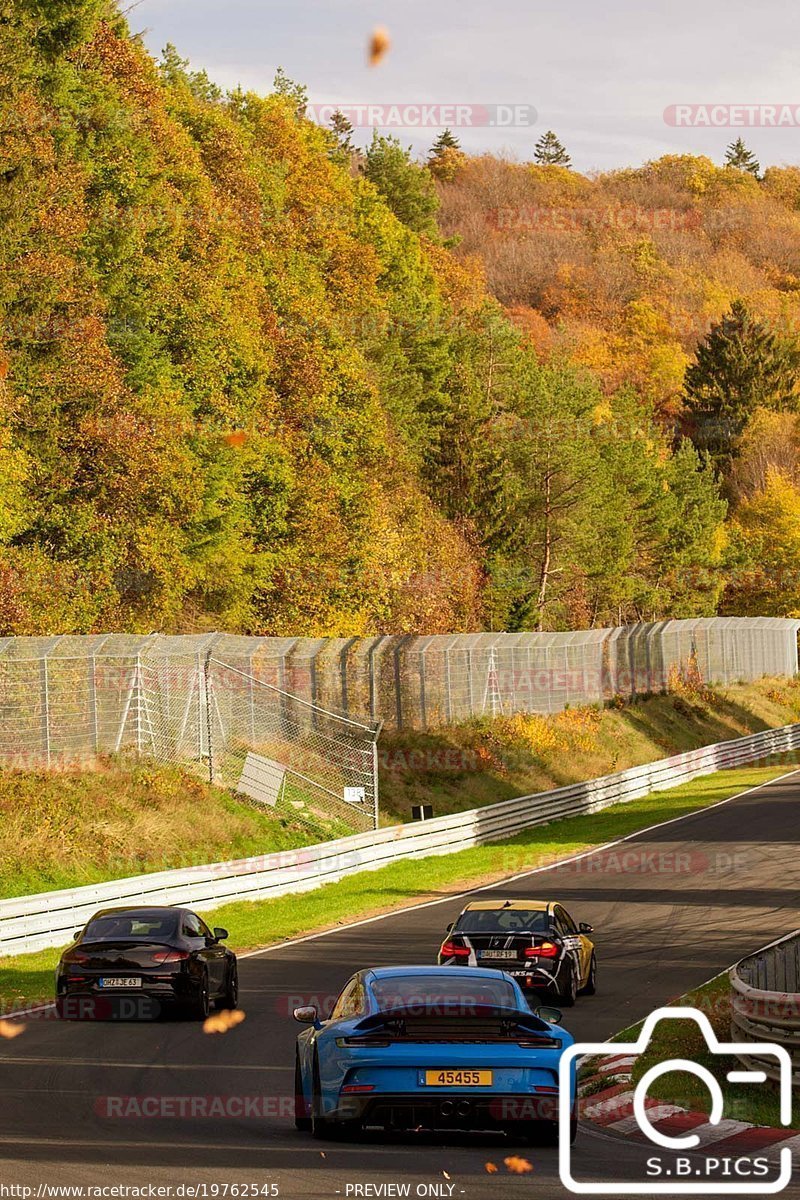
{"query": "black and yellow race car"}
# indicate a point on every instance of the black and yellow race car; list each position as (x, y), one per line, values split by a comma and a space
(536, 941)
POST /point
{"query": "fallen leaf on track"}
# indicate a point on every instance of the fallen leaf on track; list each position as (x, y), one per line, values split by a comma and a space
(491, 1169)
(221, 1022)
(517, 1166)
(11, 1029)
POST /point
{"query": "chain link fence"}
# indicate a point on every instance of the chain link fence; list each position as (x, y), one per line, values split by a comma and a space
(424, 682)
(175, 700)
(293, 722)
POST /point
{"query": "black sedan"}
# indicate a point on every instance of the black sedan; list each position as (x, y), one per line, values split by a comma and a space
(143, 961)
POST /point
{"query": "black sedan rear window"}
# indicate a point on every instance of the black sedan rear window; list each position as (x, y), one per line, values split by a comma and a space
(502, 920)
(139, 926)
(444, 991)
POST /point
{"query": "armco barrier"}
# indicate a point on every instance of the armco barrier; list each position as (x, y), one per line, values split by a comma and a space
(765, 1005)
(48, 919)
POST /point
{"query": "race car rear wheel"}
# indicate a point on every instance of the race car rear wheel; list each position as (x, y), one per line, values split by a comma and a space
(320, 1128)
(590, 987)
(567, 998)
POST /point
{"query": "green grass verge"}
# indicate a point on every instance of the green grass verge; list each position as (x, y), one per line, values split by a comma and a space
(753, 1104)
(28, 979)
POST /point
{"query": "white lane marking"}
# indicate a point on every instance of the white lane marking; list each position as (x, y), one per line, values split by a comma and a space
(487, 887)
(36, 1008)
(128, 1063)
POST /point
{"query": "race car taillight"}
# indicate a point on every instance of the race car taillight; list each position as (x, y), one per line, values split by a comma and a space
(170, 956)
(543, 950)
(76, 956)
(351, 1089)
(451, 950)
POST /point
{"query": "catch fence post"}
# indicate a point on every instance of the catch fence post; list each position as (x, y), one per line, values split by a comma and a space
(207, 687)
(375, 787)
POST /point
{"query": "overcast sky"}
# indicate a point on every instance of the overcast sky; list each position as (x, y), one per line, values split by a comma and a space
(600, 74)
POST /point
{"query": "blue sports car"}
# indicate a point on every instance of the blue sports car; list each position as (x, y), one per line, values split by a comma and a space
(430, 1048)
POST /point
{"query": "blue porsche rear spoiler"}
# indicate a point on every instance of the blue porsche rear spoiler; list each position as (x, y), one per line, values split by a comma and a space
(511, 1017)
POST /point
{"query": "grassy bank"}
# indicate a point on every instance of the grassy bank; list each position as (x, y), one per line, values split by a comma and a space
(483, 761)
(68, 828)
(756, 1104)
(28, 979)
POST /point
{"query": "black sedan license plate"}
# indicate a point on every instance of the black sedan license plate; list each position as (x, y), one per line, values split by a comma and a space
(124, 981)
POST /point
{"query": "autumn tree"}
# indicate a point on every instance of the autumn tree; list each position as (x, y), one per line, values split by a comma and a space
(295, 93)
(222, 408)
(764, 555)
(769, 445)
(445, 157)
(405, 185)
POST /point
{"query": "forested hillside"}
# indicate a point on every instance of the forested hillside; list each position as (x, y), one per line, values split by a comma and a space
(247, 383)
(680, 279)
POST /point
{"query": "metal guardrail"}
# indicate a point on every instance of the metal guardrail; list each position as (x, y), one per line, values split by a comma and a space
(765, 1005)
(35, 922)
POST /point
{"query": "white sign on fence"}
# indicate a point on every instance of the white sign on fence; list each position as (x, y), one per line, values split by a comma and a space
(261, 779)
(355, 795)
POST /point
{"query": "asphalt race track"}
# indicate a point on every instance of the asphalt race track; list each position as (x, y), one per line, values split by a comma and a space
(671, 907)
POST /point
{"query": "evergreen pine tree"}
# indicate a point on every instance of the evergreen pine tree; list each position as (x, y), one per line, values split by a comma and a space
(341, 135)
(549, 151)
(445, 156)
(741, 159)
(741, 365)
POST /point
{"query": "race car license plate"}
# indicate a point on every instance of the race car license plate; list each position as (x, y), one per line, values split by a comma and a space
(497, 954)
(127, 981)
(458, 1078)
